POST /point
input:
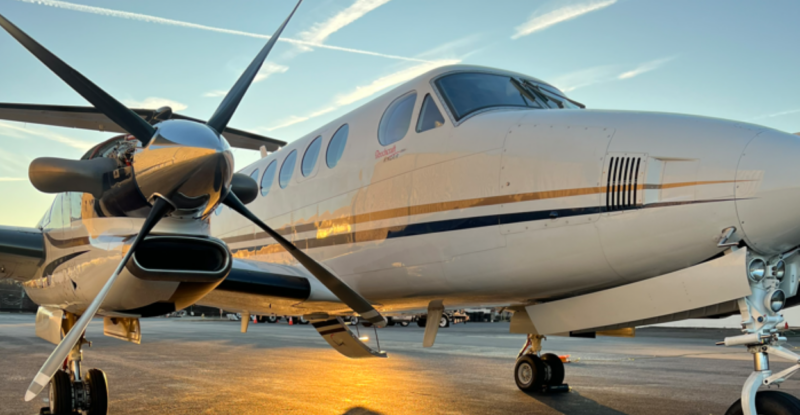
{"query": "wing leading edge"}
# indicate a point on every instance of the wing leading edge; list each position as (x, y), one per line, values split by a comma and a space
(21, 252)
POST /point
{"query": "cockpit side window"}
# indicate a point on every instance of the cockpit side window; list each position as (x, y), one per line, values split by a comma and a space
(56, 213)
(429, 115)
(467, 92)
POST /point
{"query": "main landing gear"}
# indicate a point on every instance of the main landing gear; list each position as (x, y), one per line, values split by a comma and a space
(71, 391)
(535, 372)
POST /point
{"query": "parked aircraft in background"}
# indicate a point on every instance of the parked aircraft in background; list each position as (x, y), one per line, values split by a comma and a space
(464, 187)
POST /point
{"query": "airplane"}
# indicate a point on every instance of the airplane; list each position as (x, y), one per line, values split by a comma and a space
(466, 186)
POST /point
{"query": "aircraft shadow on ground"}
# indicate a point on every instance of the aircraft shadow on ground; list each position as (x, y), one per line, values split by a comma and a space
(360, 411)
(574, 404)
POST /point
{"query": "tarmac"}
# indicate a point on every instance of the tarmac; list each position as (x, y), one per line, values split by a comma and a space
(194, 366)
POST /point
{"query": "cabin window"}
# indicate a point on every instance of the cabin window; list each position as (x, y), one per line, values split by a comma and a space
(310, 157)
(396, 119)
(287, 169)
(218, 210)
(268, 178)
(466, 92)
(336, 146)
(56, 213)
(254, 175)
(429, 115)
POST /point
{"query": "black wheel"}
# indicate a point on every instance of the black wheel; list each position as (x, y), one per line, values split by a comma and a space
(353, 321)
(421, 322)
(366, 324)
(302, 320)
(390, 323)
(272, 319)
(61, 393)
(444, 321)
(770, 403)
(98, 392)
(529, 373)
(403, 324)
(556, 369)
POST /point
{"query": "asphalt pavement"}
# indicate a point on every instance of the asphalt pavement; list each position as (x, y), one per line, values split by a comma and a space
(190, 366)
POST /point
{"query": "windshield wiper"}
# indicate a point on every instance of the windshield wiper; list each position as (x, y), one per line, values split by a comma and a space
(526, 93)
(549, 95)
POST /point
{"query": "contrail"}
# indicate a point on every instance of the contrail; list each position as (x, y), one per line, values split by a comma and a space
(170, 22)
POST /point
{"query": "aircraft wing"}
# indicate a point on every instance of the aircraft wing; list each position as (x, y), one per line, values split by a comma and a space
(21, 252)
(89, 118)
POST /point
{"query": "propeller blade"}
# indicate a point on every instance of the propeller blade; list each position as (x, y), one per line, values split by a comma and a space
(160, 208)
(56, 175)
(225, 111)
(338, 287)
(105, 103)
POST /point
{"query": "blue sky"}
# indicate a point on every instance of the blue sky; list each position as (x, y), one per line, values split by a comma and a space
(730, 59)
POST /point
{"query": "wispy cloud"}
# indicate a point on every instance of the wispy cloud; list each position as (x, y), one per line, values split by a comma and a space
(776, 114)
(12, 179)
(645, 67)
(267, 69)
(155, 103)
(24, 133)
(603, 74)
(13, 162)
(215, 93)
(171, 22)
(541, 19)
(365, 91)
(322, 30)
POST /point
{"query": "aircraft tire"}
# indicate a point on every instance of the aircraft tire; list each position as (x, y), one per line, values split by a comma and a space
(529, 373)
(403, 324)
(421, 321)
(271, 319)
(556, 369)
(61, 393)
(770, 403)
(98, 392)
(444, 321)
(390, 323)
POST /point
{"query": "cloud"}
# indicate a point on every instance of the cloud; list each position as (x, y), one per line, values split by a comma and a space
(22, 132)
(365, 91)
(603, 74)
(645, 67)
(12, 179)
(584, 77)
(777, 114)
(215, 93)
(321, 31)
(155, 103)
(170, 22)
(267, 69)
(13, 162)
(540, 21)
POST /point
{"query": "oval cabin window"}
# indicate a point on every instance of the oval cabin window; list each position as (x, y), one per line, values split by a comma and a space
(287, 169)
(310, 157)
(396, 119)
(268, 178)
(336, 146)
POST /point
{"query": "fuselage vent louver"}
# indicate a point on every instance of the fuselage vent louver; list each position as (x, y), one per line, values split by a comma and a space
(623, 182)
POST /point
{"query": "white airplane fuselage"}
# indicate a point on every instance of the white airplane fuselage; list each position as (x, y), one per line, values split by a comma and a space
(505, 206)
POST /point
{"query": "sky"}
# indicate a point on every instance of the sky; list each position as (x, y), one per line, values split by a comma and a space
(735, 59)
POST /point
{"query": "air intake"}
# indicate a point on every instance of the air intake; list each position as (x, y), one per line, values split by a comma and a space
(623, 182)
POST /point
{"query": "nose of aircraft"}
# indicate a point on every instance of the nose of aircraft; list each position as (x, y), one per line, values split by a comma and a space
(188, 164)
(768, 192)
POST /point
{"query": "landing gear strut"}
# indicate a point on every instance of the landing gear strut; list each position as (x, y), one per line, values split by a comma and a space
(760, 321)
(535, 372)
(71, 391)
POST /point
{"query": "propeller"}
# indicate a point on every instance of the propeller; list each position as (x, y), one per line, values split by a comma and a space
(160, 208)
(338, 287)
(183, 169)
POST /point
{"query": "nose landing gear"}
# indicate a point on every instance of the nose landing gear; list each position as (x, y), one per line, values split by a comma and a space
(535, 372)
(71, 392)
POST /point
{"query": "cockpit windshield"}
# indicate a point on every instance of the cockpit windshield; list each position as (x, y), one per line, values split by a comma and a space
(468, 92)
